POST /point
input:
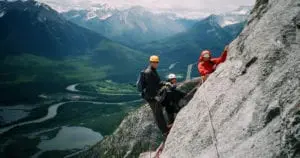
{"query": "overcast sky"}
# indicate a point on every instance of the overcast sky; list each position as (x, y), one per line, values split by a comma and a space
(177, 6)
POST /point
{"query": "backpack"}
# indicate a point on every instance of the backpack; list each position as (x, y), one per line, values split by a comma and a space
(140, 84)
(162, 93)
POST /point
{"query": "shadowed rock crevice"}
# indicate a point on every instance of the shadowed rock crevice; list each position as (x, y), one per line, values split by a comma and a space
(259, 4)
(271, 114)
(291, 143)
(296, 20)
(259, 9)
(248, 64)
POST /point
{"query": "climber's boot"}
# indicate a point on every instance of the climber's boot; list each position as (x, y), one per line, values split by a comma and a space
(159, 150)
(170, 126)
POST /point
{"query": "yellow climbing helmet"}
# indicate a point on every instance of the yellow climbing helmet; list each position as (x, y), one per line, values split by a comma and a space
(154, 58)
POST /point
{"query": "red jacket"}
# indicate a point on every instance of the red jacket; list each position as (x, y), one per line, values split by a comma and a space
(208, 67)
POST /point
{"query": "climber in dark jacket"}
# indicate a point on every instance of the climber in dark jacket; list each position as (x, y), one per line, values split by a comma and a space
(152, 85)
(170, 97)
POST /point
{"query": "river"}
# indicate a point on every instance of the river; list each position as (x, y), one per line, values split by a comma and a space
(72, 88)
(11, 114)
(173, 65)
(69, 138)
(52, 112)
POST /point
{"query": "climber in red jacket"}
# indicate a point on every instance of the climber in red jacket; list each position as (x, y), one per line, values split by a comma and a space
(208, 65)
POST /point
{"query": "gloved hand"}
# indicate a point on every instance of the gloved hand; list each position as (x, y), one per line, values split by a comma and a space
(204, 78)
(157, 98)
(226, 48)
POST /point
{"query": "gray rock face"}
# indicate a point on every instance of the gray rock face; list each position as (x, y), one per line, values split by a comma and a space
(137, 133)
(253, 98)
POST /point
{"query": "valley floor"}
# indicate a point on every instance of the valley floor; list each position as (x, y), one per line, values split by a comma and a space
(45, 130)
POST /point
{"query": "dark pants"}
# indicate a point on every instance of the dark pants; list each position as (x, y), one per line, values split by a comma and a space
(171, 117)
(157, 110)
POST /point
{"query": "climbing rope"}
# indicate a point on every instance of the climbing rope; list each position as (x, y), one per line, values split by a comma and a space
(211, 124)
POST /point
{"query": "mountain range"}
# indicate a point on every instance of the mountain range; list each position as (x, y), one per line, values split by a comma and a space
(186, 47)
(137, 25)
(44, 50)
(41, 50)
(36, 28)
(236, 16)
(130, 27)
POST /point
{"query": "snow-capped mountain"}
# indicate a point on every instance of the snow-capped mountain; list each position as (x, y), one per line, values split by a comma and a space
(42, 11)
(185, 47)
(101, 12)
(31, 26)
(236, 16)
(137, 25)
(129, 26)
(242, 10)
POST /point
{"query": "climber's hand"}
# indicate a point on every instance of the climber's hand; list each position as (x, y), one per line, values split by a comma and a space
(204, 78)
(226, 48)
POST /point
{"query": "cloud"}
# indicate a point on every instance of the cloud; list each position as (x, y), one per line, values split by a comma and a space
(176, 6)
